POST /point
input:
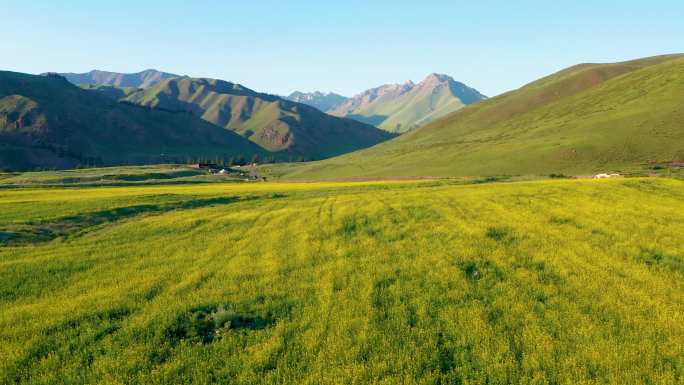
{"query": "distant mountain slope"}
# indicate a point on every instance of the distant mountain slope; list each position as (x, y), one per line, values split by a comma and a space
(112, 92)
(48, 122)
(269, 121)
(142, 79)
(402, 107)
(320, 100)
(585, 119)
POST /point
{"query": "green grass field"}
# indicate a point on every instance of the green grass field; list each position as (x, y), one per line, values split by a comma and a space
(432, 282)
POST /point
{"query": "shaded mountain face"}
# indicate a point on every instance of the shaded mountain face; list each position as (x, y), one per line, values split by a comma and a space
(47, 122)
(144, 79)
(271, 122)
(112, 92)
(403, 107)
(586, 119)
(320, 100)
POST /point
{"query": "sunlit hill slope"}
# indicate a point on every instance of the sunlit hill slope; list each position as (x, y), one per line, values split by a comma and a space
(590, 117)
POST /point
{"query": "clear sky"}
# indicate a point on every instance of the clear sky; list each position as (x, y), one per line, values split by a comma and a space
(342, 46)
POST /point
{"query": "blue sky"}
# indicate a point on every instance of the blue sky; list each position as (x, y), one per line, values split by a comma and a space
(342, 46)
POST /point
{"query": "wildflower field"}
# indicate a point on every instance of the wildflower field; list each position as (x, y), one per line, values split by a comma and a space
(431, 282)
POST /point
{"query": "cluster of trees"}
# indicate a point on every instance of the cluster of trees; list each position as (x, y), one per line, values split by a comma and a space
(227, 160)
(84, 161)
(64, 151)
(241, 159)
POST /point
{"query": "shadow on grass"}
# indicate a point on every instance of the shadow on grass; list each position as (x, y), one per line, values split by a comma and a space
(46, 231)
(69, 340)
(147, 182)
(658, 260)
(489, 179)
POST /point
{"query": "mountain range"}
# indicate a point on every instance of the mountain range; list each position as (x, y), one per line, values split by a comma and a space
(47, 122)
(321, 100)
(275, 124)
(403, 107)
(67, 122)
(587, 118)
(397, 107)
(393, 107)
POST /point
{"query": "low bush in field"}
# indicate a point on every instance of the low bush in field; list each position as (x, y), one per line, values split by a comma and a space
(208, 323)
(501, 234)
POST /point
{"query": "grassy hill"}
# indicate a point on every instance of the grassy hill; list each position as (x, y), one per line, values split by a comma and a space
(553, 282)
(48, 122)
(143, 79)
(587, 118)
(269, 121)
(402, 107)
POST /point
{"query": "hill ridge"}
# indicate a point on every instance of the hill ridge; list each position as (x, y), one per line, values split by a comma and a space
(143, 79)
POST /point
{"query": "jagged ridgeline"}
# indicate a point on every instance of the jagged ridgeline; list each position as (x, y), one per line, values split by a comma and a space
(407, 106)
(322, 101)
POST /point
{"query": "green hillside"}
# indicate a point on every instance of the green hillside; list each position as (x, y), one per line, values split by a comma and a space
(402, 107)
(269, 121)
(47, 122)
(585, 119)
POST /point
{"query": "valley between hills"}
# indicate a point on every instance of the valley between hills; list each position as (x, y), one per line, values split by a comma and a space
(166, 229)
